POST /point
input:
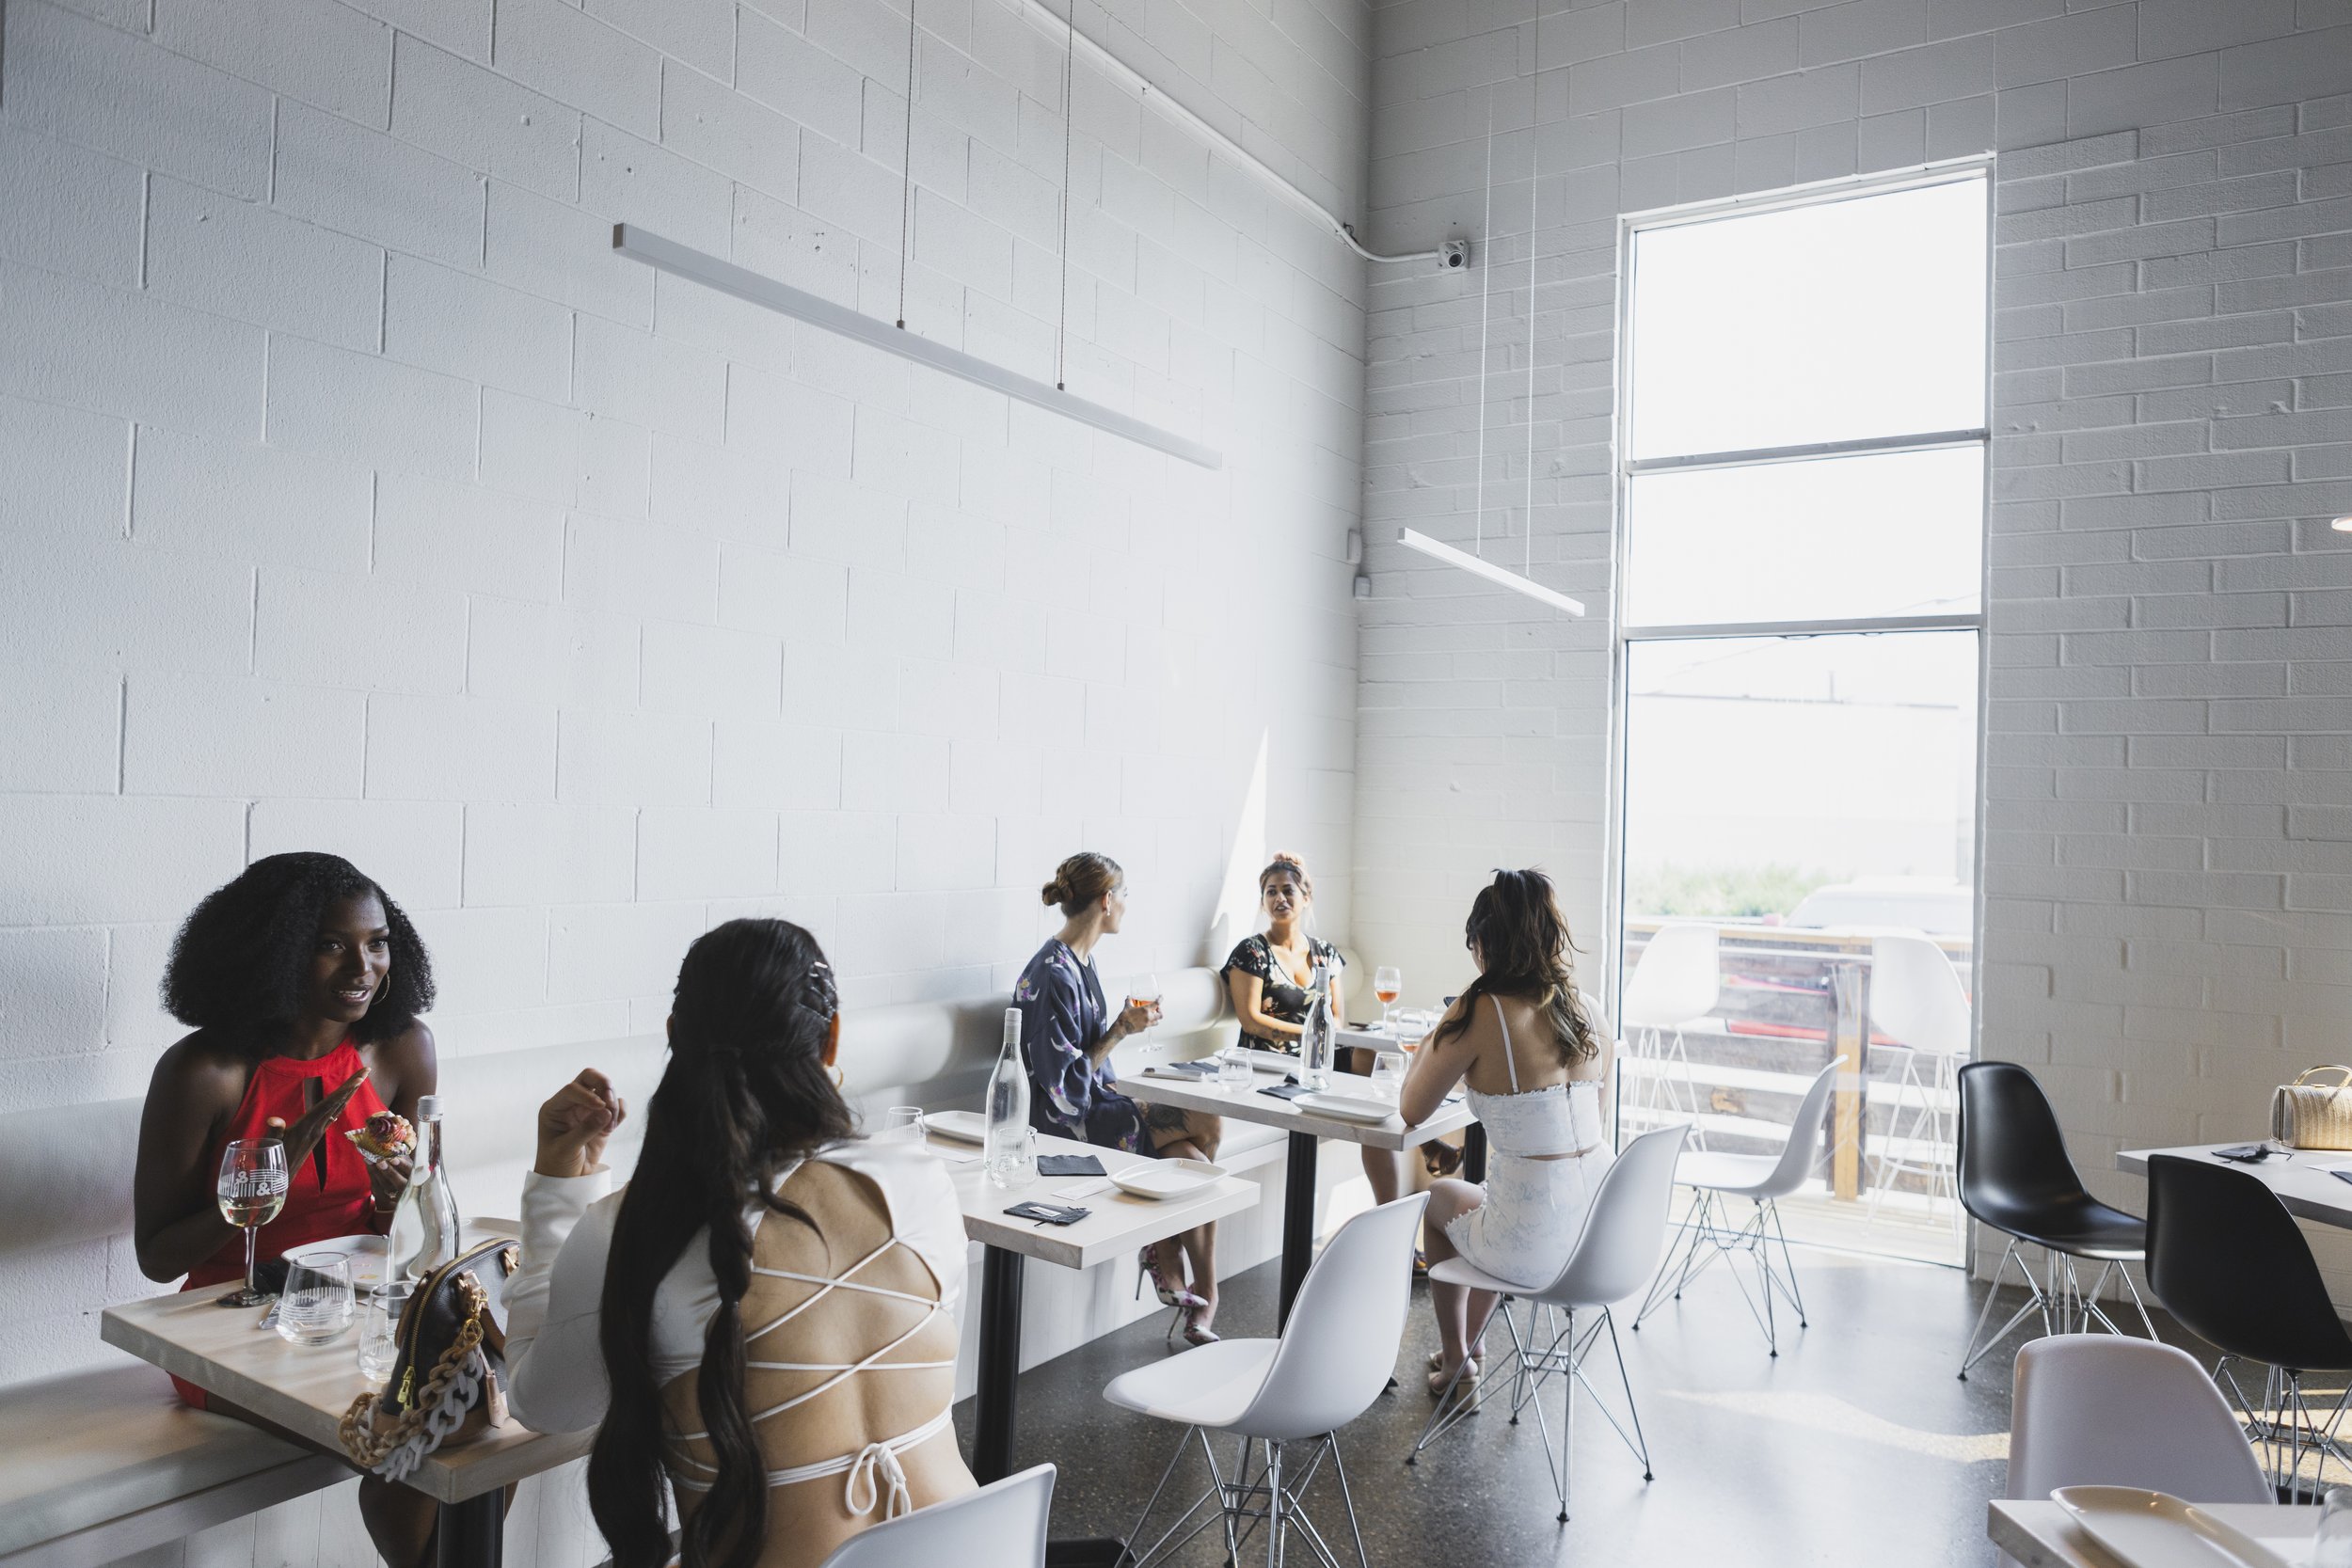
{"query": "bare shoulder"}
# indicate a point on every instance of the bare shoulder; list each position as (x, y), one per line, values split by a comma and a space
(200, 1073)
(404, 1064)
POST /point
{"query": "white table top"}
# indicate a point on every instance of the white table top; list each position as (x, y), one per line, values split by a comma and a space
(1119, 1224)
(2044, 1535)
(2299, 1178)
(1248, 1104)
(305, 1388)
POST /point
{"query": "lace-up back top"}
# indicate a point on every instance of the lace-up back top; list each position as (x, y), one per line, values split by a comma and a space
(1556, 1119)
(851, 1330)
(871, 1332)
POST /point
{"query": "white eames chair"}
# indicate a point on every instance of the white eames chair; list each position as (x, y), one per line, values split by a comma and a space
(2099, 1410)
(1624, 1230)
(1763, 1179)
(1287, 1393)
(1917, 1000)
(1677, 981)
(1000, 1526)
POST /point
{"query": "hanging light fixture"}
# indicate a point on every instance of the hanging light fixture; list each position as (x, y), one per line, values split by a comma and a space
(1488, 569)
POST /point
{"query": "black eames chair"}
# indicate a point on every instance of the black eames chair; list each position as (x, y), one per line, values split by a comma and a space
(2015, 1176)
(2226, 1260)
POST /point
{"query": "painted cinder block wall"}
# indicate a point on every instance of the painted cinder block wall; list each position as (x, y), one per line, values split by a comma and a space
(2168, 811)
(356, 496)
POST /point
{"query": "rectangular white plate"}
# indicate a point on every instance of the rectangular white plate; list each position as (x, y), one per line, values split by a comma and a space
(1347, 1108)
(965, 1126)
(1166, 1177)
(2156, 1529)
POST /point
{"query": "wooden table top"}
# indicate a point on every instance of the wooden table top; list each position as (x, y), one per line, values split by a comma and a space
(1248, 1104)
(305, 1388)
(1119, 1224)
(2299, 1177)
(2044, 1535)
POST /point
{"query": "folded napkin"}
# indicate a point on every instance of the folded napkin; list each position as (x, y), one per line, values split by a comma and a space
(1068, 1165)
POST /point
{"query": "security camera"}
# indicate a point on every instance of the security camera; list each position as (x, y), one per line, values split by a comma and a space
(1454, 256)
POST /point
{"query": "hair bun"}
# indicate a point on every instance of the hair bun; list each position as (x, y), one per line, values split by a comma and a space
(1283, 857)
(1057, 892)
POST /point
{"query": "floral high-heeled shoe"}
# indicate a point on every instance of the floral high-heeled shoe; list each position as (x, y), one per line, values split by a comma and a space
(1188, 1319)
(1171, 1293)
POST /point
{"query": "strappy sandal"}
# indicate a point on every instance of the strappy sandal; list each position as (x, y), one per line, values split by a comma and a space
(1437, 1362)
(1170, 1294)
(1459, 1393)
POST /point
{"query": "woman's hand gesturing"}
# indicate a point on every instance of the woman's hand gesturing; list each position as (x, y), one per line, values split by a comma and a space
(574, 1124)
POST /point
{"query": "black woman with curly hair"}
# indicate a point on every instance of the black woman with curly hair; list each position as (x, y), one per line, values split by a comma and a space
(297, 976)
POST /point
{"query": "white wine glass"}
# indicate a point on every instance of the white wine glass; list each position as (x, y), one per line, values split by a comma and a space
(1388, 984)
(252, 1189)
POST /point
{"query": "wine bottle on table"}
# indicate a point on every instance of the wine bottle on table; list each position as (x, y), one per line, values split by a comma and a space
(1010, 1160)
(1316, 1037)
(425, 1225)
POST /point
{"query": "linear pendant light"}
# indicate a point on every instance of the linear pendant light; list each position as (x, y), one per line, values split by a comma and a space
(1412, 540)
(767, 292)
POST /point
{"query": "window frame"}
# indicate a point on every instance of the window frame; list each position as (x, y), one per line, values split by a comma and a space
(1623, 469)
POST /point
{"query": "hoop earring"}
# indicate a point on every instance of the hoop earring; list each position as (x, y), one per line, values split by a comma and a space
(836, 1071)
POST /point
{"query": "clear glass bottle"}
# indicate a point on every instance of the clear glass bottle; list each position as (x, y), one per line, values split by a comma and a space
(425, 1225)
(1012, 1161)
(1317, 1036)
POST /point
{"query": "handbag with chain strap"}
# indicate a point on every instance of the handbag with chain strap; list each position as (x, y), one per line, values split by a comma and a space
(447, 1383)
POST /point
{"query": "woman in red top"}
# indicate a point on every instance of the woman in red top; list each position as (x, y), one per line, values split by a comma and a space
(297, 976)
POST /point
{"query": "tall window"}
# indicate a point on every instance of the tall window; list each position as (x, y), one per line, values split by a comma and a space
(1802, 479)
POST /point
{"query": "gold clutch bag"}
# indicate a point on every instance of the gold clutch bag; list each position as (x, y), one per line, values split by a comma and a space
(2304, 1114)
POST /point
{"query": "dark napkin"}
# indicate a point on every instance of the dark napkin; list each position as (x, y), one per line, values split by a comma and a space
(1290, 1088)
(1068, 1165)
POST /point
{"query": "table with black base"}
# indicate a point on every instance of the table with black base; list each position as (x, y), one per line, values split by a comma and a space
(306, 1389)
(1119, 1224)
(1306, 1130)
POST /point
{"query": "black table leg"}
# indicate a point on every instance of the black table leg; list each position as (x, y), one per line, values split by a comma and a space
(1474, 1153)
(473, 1534)
(1298, 1220)
(1000, 1363)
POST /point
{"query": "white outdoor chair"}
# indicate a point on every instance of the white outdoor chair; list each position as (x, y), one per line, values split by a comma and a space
(1000, 1526)
(2099, 1410)
(1624, 1232)
(1916, 999)
(1763, 1179)
(1678, 980)
(1350, 1315)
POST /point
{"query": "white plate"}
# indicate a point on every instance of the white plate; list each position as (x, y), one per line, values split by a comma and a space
(1166, 1177)
(365, 1254)
(965, 1126)
(1347, 1108)
(2156, 1529)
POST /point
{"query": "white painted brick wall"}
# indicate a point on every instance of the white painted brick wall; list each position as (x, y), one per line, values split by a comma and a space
(2165, 929)
(357, 497)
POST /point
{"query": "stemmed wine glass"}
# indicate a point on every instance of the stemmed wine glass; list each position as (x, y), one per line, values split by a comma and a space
(1143, 990)
(1388, 984)
(252, 1190)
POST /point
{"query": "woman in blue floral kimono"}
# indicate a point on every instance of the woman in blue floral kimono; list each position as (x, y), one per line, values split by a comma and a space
(1067, 1033)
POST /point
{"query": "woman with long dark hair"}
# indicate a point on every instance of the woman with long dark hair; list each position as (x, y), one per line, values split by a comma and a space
(1517, 1039)
(297, 976)
(761, 1323)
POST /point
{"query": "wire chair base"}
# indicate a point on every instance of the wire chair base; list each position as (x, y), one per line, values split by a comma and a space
(1551, 1348)
(1707, 1235)
(2062, 1305)
(1245, 1504)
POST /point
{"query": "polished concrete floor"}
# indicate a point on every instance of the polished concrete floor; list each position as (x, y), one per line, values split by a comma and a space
(1858, 1445)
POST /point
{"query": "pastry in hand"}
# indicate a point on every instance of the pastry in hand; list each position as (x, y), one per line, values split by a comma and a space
(385, 1136)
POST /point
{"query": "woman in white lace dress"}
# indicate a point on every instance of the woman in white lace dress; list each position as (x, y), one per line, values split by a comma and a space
(1537, 1077)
